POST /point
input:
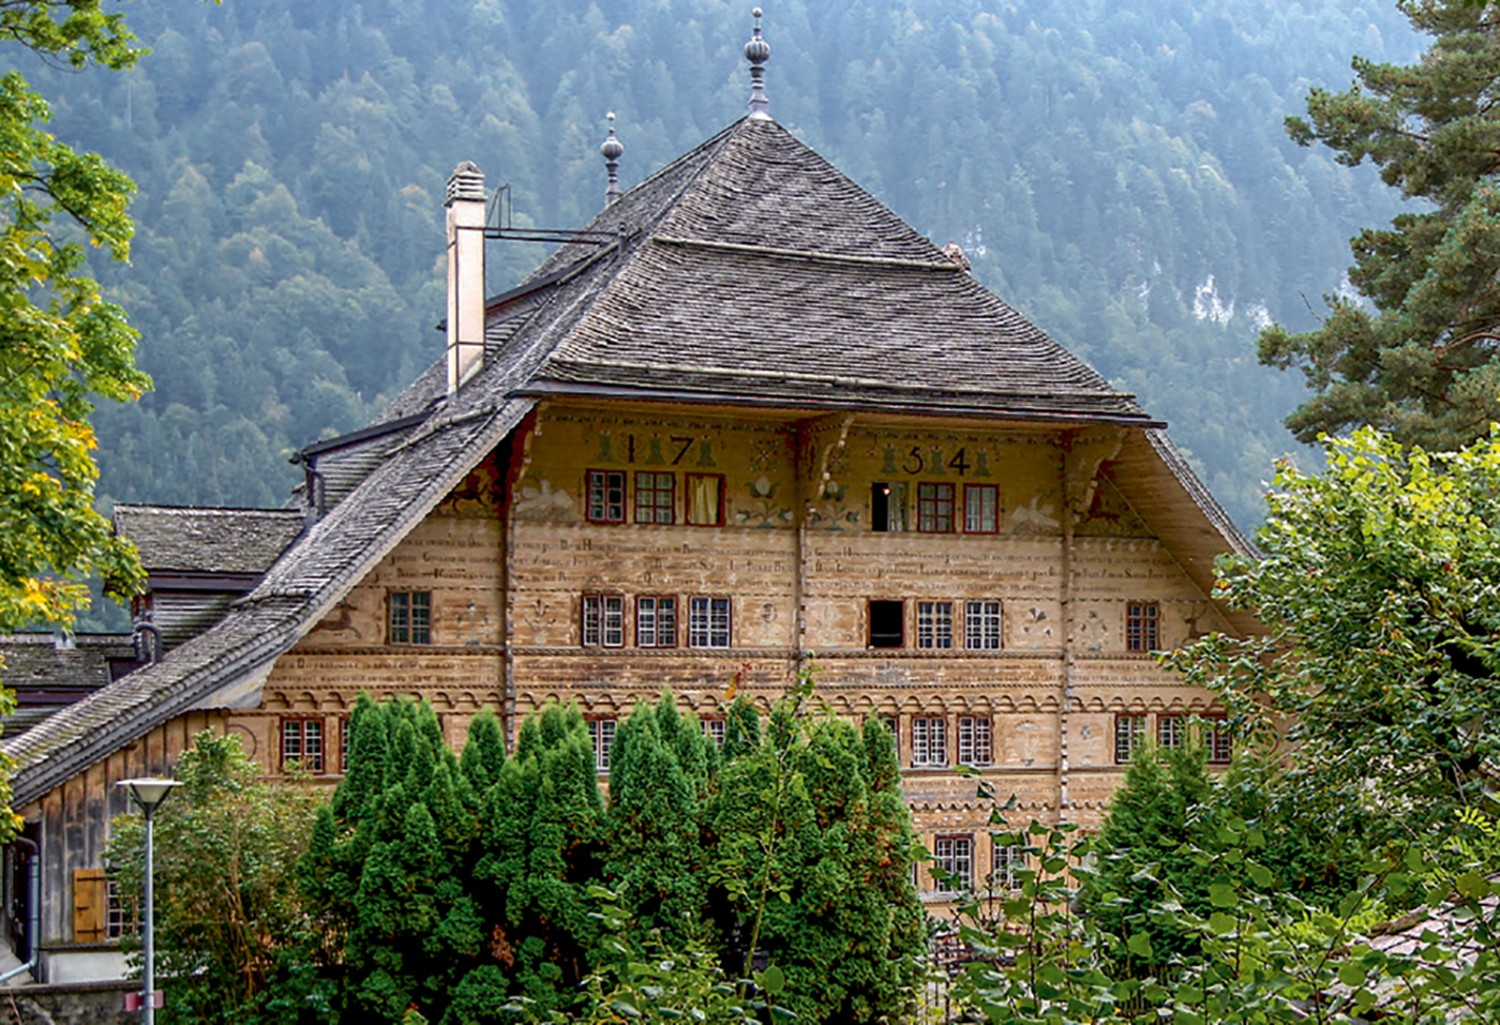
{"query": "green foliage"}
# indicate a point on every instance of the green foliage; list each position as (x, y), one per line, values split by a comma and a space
(1262, 956)
(1376, 591)
(1417, 357)
(1144, 851)
(655, 823)
(431, 891)
(61, 343)
(812, 866)
(228, 905)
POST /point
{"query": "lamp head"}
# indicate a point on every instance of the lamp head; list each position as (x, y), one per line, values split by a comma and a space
(148, 793)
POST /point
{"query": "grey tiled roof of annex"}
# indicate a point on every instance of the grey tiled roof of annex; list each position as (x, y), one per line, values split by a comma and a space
(191, 540)
(748, 267)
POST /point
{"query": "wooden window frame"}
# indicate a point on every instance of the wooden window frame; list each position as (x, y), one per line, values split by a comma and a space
(345, 722)
(714, 729)
(976, 740)
(593, 620)
(408, 618)
(929, 742)
(1130, 733)
(602, 731)
(1142, 626)
(930, 507)
(976, 610)
(703, 634)
(687, 499)
(121, 917)
(957, 859)
(1218, 740)
(1172, 731)
(1005, 861)
(648, 489)
(604, 511)
(935, 625)
(979, 489)
(316, 766)
(654, 617)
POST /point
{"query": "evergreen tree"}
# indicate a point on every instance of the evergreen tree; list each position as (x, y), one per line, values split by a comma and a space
(811, 861)
(741, 729)
(1146, 851)
(654, 846)
(484, 752)
(1418, 357)
(539, 854)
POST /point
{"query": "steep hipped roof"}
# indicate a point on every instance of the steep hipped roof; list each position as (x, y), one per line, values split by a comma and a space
(757, 272)
(748, 271)
(174, 538)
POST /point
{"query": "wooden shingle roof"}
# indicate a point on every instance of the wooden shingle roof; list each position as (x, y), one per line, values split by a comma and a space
(192, 540)
(752, 268)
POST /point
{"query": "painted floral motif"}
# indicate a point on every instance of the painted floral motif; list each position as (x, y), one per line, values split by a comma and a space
(764, 511)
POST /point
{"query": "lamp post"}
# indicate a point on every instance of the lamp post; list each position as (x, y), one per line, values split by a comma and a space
(148, 794)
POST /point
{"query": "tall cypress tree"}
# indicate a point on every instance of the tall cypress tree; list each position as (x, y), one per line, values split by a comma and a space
(654, 847)
(484, 752)
(539, 854)
(1145, 850)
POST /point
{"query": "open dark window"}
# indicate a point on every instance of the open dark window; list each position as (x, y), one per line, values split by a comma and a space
(887, 506)
(887, 624)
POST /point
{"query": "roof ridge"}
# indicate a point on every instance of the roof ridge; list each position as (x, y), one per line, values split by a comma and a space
(671, 368)
(200, 509)
(808, 254)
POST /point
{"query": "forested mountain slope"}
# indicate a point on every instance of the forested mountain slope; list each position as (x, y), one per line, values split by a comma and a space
(1117, 170)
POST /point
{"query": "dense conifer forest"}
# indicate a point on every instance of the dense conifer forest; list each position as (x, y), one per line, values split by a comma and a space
(1116, 170)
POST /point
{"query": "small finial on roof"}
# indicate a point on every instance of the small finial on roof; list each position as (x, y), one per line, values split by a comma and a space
(757, 52)
(611, 148)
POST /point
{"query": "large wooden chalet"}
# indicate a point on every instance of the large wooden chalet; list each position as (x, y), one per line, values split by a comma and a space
(747, 421)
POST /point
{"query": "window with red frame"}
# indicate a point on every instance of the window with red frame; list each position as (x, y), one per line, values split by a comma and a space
(302, 744)
(935, 508)
(606, 496)
(981, 509)
(655, 497)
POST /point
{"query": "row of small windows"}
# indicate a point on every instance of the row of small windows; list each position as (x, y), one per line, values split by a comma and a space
(602, 621)
(938, 508)
(973, 624)
(1172, 731)
(953, 865)
(937, 624)
(973, 741)
(656, 499)
(652, 496)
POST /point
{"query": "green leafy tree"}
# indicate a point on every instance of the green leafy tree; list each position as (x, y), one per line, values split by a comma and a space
(61, 344)
(1417, 357)
(1381, 647)
(228, 904)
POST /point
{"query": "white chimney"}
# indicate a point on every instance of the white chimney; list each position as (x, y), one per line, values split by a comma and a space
(465, 204)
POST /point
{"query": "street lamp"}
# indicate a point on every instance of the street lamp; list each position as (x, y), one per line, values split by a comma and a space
(148, 793)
